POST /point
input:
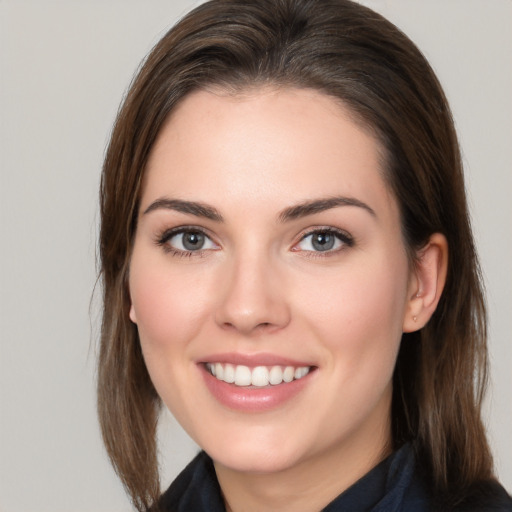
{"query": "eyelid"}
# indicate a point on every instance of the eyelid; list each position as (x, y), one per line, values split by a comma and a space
(343, 236)
(164, 236)
(162, 239)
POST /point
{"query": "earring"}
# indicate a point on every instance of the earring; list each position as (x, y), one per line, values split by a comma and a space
(415, 318)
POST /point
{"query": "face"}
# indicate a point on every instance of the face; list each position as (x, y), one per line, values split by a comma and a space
(269, 280)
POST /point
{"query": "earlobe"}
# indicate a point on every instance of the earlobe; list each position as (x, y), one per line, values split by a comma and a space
(133, 317)
(427, 283)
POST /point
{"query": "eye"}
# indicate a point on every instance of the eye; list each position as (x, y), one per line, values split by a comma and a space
(324, 240)
(186, 240)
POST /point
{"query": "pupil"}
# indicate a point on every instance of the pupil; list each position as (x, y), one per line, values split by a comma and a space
(193, 241)
(323, 241)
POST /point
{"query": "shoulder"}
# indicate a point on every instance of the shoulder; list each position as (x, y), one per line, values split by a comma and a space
(483, 496)
(487, 496)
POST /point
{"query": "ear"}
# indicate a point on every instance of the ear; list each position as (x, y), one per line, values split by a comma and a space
(426, 284)
(133, 316)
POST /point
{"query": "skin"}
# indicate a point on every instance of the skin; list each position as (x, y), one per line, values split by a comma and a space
(259, 286)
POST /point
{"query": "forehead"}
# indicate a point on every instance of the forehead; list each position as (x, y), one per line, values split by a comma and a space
(265, 143)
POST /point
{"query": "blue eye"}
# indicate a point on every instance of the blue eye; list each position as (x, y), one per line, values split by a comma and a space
(187, 241)
(324, 240)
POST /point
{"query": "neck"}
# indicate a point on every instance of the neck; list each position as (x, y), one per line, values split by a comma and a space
(308, 485)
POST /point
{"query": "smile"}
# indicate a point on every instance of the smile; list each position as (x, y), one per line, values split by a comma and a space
(259, 376)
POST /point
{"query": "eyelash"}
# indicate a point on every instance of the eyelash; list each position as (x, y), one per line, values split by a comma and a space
(163, 239)
(342, 236)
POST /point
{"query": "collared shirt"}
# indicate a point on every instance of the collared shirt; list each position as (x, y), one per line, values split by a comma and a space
(392, 486)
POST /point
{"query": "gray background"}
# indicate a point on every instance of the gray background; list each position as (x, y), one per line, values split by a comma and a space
(64, 67)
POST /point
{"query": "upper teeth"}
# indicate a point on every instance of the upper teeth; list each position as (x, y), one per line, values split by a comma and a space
(260, 376)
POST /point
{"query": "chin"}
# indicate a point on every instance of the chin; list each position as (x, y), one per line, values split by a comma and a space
(253, 457)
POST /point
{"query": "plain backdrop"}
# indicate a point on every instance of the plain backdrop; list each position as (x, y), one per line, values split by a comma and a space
(64, 68)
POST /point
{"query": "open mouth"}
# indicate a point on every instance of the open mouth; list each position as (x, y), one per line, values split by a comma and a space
(259, 376)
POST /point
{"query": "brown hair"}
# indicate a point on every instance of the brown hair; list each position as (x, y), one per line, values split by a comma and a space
(353, 54)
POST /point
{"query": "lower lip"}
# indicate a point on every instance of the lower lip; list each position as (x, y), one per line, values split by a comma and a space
(253, 399)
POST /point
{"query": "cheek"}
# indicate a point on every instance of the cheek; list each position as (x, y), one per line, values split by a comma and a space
(358, 313)
(168, 305)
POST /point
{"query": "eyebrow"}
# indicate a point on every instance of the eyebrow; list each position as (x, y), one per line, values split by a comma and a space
(320, 205)
(190, 207)
(292, 213)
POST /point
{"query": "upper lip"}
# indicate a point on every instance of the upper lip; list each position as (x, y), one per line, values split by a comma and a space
(253, 360)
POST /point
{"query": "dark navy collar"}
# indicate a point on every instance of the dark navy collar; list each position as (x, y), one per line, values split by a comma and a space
(385, 488)
(392, 486)
(196, 489)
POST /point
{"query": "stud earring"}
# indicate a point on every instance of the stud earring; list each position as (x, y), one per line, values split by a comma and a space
(415, 318)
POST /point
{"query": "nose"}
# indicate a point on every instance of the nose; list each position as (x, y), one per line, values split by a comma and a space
(252, 298)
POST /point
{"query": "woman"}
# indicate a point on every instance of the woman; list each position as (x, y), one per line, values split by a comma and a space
(288, 266)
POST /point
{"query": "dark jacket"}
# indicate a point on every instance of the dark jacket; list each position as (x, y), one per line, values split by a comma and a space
(392, 486)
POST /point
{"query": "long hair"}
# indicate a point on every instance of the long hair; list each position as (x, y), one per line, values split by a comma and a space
(354, 55)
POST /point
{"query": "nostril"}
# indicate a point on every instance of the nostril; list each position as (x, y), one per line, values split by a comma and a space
(258, 327)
